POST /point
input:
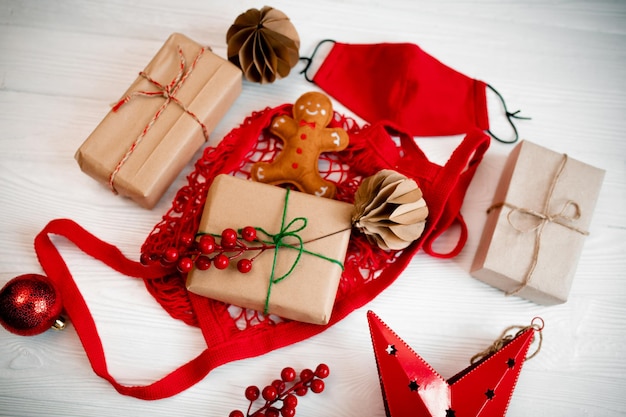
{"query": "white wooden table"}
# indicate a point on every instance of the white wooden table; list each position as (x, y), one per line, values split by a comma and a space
(63, 62)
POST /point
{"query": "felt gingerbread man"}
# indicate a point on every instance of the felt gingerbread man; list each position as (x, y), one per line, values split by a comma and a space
(304, 137)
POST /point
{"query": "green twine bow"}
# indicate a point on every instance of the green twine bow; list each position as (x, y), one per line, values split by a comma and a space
(290, 230)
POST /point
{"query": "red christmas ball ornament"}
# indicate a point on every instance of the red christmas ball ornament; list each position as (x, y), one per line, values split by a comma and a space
(30, 305)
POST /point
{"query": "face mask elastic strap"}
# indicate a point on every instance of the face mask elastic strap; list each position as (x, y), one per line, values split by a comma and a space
(309, 60)
(509, 117)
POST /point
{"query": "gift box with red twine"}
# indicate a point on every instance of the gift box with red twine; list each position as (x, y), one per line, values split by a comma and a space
(165, 116)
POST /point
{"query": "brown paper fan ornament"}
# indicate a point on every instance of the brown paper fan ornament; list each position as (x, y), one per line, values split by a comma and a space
(390, 210)
(264, 44)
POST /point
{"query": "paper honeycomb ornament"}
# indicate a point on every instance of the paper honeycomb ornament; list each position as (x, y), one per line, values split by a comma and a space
(412, 388)
(390, 210)
(264, 44)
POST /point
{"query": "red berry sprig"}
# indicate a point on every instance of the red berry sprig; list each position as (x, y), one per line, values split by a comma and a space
(277, 392)
(207, 251)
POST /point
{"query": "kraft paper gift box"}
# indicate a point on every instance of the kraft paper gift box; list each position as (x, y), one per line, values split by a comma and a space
(308, 292)
(536, 227)
(165, 116)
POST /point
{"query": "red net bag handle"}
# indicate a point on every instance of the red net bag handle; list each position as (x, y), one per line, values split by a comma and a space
(444, 187)
(77, 310)
(451, 184)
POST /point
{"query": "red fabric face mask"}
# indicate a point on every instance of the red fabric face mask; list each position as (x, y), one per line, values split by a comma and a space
(402, 84)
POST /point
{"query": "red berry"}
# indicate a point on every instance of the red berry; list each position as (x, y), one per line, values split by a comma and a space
(269, 393)
(206, 244)
(248, 233)
(145, 259)
(287, 412)
(306, 375)
(322, 371)
(259, 414)
(170, 255)
(317, 386)
(203, 262)
(279, 385)
(185, 265)
(229, 245)
(288, 374)
(221, 261)
(252, 393)
(272, 412)
(186, 239)
(229, 238)
(301, 390)
(236, 413)
(244, 266)
(290, 401)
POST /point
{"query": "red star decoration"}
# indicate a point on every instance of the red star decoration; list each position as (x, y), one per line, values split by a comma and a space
(484, 388)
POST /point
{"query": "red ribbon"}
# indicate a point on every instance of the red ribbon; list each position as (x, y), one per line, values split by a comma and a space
(80, 316)
(168, 92)
(305, 123)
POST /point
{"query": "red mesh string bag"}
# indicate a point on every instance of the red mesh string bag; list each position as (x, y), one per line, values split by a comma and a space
(233, 333)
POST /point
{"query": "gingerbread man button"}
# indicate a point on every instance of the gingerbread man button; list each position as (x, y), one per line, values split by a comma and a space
(304, 137)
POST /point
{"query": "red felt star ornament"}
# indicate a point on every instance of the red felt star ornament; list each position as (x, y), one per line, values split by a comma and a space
(412, 388)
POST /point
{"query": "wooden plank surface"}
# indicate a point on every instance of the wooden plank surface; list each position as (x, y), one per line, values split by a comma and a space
(62, 63)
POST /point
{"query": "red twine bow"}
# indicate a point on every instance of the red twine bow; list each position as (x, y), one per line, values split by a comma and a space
(168, 92)
(305, 123)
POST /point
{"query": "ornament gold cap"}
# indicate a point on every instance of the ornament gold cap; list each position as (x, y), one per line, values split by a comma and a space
(59, 324)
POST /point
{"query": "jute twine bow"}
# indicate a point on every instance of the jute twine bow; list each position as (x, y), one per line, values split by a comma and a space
(168, 92)
(562, 218)
(536, 324)
(279, 240)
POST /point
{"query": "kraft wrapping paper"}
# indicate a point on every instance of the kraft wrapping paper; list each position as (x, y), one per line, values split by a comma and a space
(309, 292)
(174, 136)
(529, 250)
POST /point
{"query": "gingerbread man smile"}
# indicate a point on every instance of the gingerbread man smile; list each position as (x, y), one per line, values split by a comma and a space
(312, 112)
